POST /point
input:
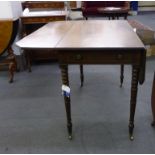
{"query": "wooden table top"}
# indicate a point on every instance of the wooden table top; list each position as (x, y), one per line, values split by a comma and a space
(83, 34)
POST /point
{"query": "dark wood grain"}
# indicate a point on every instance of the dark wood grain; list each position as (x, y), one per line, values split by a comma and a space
(43, 4)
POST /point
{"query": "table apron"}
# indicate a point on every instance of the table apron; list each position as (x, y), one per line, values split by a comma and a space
(68, 57)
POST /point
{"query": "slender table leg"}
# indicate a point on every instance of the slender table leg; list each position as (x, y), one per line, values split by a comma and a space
(28, 60)
(81, 75)
(134, 89)
(153, 101)
(65, 81)
(122, 75)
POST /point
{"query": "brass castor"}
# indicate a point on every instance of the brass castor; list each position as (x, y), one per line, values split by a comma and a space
(131, 137)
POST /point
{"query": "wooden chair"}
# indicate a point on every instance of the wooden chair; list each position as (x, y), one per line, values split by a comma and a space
(110, 9)
(8, 30)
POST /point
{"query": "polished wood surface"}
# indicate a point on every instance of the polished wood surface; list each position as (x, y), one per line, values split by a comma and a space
(97, 34)
(43, 4)
(83, 34)
(41, 39)
(92, 42)
(6, 28)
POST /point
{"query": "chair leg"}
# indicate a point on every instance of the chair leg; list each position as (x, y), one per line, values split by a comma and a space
(28, 61)
(12, 64)
(15, 65)
(81, 75)
(122, 75)
(12, 68)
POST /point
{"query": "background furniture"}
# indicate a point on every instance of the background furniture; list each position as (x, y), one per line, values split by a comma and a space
(146, 34)
(76, 45)
(153, 100)
(109, 9)
(8, 31)
(35, 15)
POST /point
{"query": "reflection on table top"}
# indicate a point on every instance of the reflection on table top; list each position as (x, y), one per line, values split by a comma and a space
(83, 34)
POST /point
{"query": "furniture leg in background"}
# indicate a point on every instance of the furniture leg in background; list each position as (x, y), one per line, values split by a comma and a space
(121, 75)
(81, 75)
(153, 101)
(28, 60)
(12, 65)
(10, 61)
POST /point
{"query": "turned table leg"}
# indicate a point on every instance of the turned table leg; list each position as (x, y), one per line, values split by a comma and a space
(81, 75)
(153, 101)
(134, 88)
(121, 75)
(65, 81)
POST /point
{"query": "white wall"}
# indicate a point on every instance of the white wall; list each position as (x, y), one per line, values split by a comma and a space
(5, 10)
(16, 9)
(10, 9)
(78, 3)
